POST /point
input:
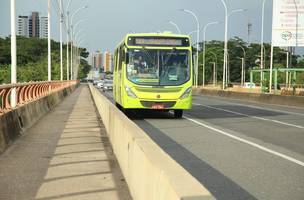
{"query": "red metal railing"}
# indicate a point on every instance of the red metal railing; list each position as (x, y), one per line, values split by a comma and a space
(27, 92)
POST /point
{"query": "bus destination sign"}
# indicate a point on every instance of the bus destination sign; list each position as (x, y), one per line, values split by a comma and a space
(158, 41)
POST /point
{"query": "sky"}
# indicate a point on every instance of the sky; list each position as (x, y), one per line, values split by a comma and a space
(108, 21)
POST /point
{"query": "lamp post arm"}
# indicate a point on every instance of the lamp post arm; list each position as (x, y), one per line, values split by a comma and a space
(77, 11)
(176, 26)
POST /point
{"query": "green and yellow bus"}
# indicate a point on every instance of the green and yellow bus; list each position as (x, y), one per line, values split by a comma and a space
(153, 71)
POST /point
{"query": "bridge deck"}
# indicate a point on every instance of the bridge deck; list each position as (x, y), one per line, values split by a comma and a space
(66, 155)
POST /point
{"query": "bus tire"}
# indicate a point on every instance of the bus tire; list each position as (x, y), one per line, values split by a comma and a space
(178, 113)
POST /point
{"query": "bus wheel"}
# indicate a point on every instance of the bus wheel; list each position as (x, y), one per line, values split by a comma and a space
(178, 113)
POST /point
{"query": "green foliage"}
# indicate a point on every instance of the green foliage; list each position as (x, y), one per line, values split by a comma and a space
(252, 59)
(32, 60)
(4, 74)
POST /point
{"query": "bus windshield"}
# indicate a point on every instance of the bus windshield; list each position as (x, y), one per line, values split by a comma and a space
(158, 67)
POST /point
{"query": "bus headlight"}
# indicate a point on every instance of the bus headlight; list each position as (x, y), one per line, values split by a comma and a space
(130, 93)
(186, 93)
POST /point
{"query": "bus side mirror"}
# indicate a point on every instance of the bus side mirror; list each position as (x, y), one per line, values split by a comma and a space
(127, 58)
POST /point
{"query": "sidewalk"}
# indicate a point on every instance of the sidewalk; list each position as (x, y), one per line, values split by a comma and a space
(66, 155)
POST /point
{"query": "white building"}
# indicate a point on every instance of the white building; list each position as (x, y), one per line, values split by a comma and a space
(23, 26)
(33, 26)
(43, 32)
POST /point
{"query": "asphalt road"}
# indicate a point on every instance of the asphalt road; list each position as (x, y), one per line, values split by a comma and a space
(237, 149)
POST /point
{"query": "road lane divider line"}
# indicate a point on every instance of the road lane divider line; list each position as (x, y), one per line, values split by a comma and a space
(291, 159)
(251, 116)
(261, 108)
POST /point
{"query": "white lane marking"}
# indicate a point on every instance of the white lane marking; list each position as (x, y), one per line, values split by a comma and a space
(266, 104)
(291, 159)
(262, 108)
(251, 116)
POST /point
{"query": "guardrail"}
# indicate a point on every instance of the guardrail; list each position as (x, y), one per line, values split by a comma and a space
(27, 92)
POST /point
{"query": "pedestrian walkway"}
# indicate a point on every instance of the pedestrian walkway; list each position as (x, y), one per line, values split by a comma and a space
(66, 155)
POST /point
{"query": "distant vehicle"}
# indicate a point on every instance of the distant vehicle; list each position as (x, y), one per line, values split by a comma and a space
(100, 84)
(95, 82)
(154, 71)
(107, 84)
(84, 80)
(249, 85)
(230, 85)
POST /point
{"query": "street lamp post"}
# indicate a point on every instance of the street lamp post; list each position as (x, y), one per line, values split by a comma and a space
(197, 43)
(78, 42)
(215, 73)
(297, 21)
(225, 65)
(49, 42)
(226, 43)
(242, 69)
(204, 47)
(243, 66)
(67, 46)
(228, 66)
(262, 43)
(60, 28)
(287, 66)
(68, 39)
(76, 38)
(71, 31)
(175, 25)
(214, 64)
(13, 53)
(78, 23)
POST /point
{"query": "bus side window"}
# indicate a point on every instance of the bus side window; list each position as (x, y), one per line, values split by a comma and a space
(116, 58)
(120, 58)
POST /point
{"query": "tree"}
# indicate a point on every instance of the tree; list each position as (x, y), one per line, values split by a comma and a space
(234, 62)
(32, 60)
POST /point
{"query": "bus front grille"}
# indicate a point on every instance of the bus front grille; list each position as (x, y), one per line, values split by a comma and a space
(158, 90)
(149, 104)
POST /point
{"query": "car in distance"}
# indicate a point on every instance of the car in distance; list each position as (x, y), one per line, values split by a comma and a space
(95, 82)
(107, 84)
(249, 85)
(100, 84)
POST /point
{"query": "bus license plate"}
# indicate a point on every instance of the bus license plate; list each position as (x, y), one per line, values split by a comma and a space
(158, 106)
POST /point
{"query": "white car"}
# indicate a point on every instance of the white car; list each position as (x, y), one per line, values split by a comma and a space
(100, 84)
(249, 85)
(95, 82)
(108, 84)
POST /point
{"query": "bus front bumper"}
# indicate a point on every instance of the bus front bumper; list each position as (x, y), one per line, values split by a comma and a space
(136, 103)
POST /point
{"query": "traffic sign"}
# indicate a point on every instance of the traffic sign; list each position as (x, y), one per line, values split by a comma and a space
(288, 23)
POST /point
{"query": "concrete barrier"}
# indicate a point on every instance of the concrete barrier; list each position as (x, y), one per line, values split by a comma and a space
(254, 97)
(15, 122)
(151, 173)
